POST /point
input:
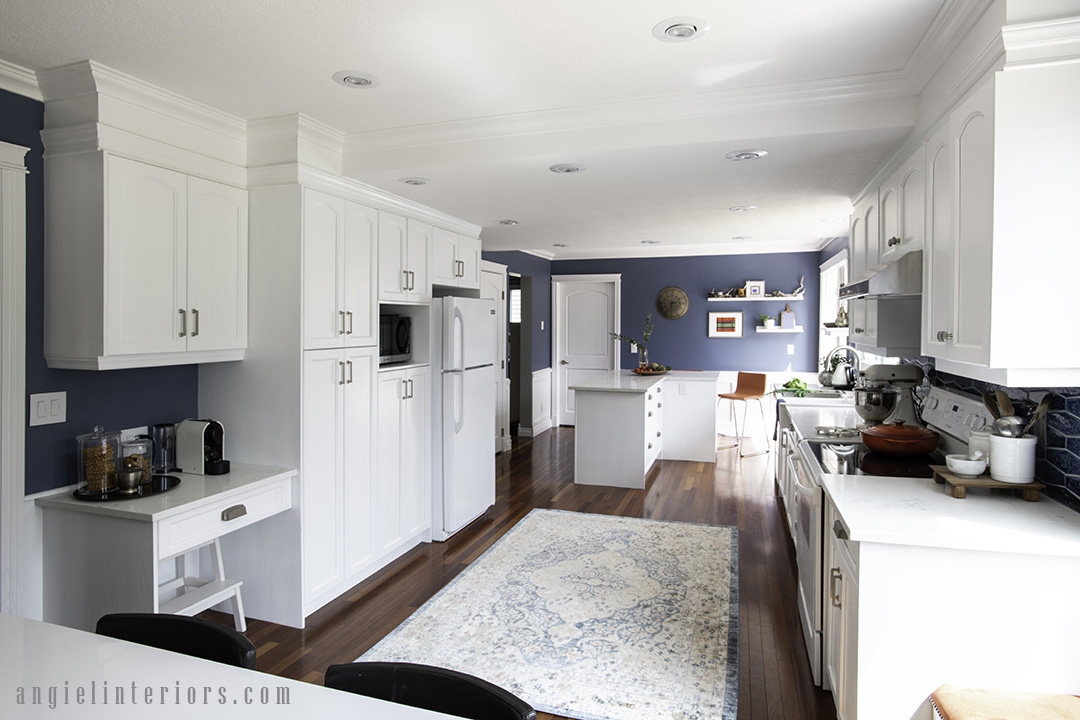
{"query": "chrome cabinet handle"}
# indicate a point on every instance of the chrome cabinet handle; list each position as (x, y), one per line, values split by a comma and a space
(840, 531)
(404, 389)
(858, 331)
(893, 241)
(834, 594)
(659, 404)
(405, 280)
(650, 413)
(944, 336)
(349, 313)
(341, 317)
(659, 389)
(650, 397)
(650, 446)
(349, 363)
(341, 367)
(195, 316)
(183, 322)
(410, 388)
(231, 513)
(657, 433)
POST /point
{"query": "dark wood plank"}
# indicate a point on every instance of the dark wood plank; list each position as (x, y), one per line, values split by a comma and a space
(774, 675)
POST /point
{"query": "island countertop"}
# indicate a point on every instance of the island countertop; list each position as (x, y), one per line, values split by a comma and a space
(624, 381)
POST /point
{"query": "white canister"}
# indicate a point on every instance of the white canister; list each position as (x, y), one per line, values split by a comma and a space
(980, 440)
(1014, 458)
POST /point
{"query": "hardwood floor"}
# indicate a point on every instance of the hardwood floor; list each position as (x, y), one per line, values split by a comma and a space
(774, 676)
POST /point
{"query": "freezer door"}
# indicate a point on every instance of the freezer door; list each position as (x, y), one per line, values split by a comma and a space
(468, 333)
(468, 446)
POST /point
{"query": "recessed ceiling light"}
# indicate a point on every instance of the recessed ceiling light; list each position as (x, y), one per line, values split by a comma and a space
(567, 168)
(508, 222)
(746, 154)
(679, 29)
(559, 245)
(650, 242)
(356, 79)
(743, 208)
(414, 180)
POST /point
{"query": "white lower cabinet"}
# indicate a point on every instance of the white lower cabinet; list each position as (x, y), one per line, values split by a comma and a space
(339, 447)
(841, 622)
(403, 482)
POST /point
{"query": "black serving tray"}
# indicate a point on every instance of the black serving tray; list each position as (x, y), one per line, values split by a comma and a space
(156, 484)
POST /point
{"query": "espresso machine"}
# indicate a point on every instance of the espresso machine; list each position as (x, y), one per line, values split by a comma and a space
(904, 378)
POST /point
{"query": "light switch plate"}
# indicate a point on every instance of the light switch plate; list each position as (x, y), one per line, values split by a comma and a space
(48, 408)
(790, 349)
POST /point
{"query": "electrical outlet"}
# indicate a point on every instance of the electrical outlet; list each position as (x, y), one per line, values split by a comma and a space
(48, 408)
(682, 388)
(790, 349)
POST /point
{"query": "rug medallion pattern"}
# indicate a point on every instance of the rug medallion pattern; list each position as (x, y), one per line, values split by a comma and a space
(592, 617)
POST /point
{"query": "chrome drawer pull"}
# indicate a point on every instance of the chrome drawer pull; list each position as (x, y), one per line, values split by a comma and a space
(834, 594)
(233, 512)
(183, 322)
(195, 314)
(840, 531)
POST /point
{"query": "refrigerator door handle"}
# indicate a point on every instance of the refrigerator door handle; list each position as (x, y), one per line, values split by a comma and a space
(459, 401)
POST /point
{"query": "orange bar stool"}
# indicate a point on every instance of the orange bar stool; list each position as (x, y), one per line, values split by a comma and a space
(748, 386)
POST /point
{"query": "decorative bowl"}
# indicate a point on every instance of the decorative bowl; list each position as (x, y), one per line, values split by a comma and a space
(961, 466)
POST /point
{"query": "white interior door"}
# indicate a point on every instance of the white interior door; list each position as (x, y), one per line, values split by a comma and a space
(586, 313)
(493, 287)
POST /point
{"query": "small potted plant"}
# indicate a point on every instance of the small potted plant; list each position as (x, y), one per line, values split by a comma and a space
(768, 321)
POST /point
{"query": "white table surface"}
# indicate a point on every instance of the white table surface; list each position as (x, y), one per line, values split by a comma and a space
(920, 512)
(37, 654)
(192, 489)
(628, 382)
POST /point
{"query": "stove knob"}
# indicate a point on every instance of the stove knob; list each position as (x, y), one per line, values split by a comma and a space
(931, 403)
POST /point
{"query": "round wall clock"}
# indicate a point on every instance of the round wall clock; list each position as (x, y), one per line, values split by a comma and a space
(672, 303)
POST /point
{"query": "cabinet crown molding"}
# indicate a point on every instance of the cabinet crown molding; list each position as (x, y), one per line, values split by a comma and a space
(1041, 43)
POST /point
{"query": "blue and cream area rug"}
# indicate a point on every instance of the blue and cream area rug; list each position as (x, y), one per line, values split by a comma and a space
(592, 617)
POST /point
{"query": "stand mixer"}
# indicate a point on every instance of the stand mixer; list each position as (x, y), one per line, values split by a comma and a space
(905, 378)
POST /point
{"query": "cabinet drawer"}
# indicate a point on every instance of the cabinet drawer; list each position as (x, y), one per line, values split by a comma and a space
(850, 548)
(201, 525)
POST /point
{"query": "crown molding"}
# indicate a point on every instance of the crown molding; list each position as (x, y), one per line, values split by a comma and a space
(19, 80)
(13, 157)
(755, 248)
(953, 22)
(544, 254)
(1041, 43)
(294, 138)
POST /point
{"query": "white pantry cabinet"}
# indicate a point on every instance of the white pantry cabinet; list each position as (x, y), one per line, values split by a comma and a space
(455, 259)
(404, 259)
(340, 272)
(144, 266)
(339, 449)
(403, 492)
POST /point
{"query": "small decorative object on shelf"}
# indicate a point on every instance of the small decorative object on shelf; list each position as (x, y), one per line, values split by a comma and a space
(841, 317)
(725, 325)
(755, 288)
(787, 318)
(767, 320)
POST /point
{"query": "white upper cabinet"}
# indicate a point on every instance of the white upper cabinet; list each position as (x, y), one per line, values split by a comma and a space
(404, 259)
(339, 272)
(903, 203)
(144, 266)
(455, 259)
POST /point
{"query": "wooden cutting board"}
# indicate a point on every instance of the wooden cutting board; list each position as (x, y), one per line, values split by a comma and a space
(1029, 491)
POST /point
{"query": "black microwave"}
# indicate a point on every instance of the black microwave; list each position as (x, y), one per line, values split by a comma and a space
(395, 339)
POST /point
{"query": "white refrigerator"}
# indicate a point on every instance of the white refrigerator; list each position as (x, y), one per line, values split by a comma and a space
(463, 398)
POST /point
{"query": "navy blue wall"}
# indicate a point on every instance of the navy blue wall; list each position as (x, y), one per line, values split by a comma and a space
(835, 247)
(684, 343)
(539, 270)
(116, 399)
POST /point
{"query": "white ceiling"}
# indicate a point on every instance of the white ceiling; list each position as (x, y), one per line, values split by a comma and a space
(481, 97)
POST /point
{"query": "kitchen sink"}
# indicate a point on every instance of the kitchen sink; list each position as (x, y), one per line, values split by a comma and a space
(820, 396)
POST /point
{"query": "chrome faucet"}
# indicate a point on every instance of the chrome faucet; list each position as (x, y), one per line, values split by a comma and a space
(849, 374)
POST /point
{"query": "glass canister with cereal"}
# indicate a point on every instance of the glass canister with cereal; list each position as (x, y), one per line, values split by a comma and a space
(138, 452)
(98, 456)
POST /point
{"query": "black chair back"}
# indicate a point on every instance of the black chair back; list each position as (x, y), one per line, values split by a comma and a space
(429, 688)
(186, 635)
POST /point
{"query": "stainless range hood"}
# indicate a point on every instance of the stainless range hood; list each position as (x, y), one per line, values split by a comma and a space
(900, 278)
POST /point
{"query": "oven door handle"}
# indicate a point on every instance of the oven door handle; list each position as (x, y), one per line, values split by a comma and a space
(799, 487)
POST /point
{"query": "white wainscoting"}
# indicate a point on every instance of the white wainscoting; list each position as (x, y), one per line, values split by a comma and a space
(541, 404)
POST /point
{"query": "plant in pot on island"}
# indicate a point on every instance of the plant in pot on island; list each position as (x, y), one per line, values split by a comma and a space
(768, 321)
(644, 366)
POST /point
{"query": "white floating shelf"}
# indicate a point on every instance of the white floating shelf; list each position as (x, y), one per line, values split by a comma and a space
(785, 298)
(763, 329)
(835, 332)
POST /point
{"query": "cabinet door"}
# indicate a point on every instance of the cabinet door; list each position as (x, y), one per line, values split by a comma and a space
(393, 249)
(324, 270)
(359, 450)
(393, 389)
(468, 255)
(321, 472)
(146, 260)
(444, 266)
(217, 265)
(889, 236)
(361, 275)
(847, 702)
(939, 262)
(416, 455)
(419, 261)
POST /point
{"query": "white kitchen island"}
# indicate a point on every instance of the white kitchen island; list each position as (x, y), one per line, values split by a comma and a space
(625, 422)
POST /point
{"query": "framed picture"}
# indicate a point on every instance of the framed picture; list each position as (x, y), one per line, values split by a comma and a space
(725, 324)
(755, 288)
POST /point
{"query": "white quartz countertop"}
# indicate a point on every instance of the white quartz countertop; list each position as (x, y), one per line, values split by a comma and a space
(78, 668)
(192, 489)
(918, 511)
(627, 382)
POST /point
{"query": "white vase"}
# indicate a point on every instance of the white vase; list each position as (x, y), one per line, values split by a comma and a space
(770, 324)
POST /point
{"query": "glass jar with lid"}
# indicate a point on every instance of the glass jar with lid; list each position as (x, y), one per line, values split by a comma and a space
(98, 457)
(138, 452)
